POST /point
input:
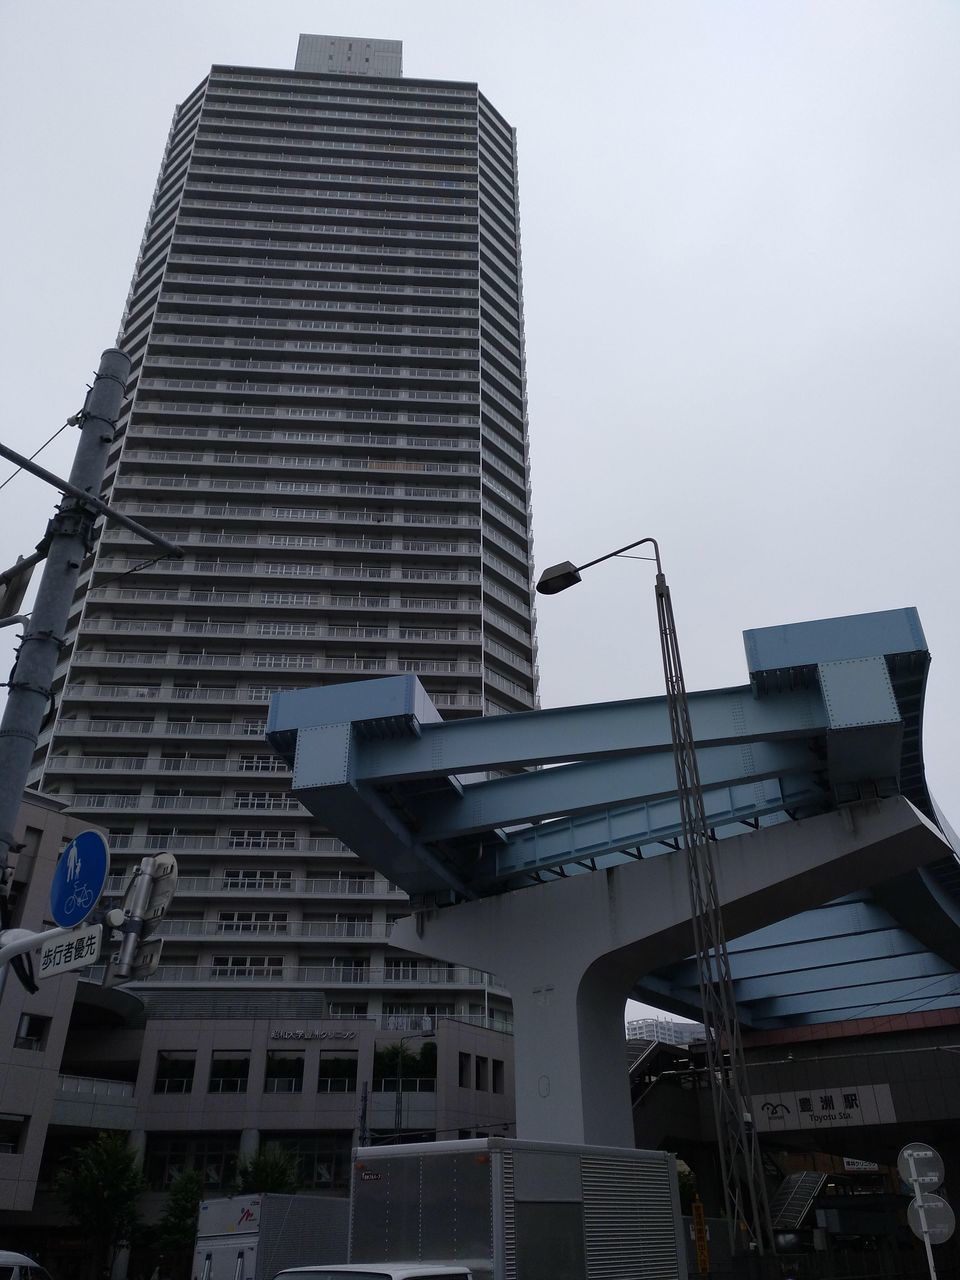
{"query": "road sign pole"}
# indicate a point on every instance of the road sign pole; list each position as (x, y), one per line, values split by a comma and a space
(135, 911)
(915, 1183)
(930, 1216)
(145, 902)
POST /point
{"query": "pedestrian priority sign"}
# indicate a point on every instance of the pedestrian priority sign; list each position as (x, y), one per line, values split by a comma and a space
(75, 951)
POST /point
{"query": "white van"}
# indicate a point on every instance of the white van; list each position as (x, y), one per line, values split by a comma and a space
(17, 1266)
(377, 1271)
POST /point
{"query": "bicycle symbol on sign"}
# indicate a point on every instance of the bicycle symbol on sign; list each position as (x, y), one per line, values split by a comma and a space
(81, 899)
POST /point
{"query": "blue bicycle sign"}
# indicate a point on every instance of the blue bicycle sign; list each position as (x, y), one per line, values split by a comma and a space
(79, 878)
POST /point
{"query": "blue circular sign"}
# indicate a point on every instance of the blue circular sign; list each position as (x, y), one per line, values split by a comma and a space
(79, 878)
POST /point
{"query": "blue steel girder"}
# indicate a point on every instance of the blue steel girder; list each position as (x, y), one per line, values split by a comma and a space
(832, 713)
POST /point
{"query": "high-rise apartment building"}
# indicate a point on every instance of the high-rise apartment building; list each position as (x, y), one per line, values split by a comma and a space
(327, 413)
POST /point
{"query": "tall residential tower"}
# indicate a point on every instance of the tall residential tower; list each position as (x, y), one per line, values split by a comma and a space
(327, 413)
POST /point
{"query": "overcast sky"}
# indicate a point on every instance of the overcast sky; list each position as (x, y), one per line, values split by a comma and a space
(741, 285)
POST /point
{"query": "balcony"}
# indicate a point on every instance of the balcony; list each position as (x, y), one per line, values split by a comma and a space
(93, 1103)
(273, 662)
(278, 886)
(316, 515)
(283, 631)
(279, 462)
(282, 412)
(272, 569)
(270, 930)
(243, 729)
(205, 804)
(210, 484)
(453, 978)
(361, 439)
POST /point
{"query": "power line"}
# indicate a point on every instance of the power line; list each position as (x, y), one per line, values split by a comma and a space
(144, 564)
(69, 423)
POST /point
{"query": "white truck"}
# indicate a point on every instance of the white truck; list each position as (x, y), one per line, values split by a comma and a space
(505, 1209)
(253, 1237)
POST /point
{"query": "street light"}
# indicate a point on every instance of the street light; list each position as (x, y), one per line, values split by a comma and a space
(430, 1034)
(565, 574)
(738, 1146)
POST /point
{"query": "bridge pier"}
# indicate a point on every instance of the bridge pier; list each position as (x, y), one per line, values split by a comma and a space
(571, 951)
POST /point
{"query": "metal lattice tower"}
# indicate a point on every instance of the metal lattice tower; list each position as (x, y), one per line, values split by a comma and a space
(741, 1169)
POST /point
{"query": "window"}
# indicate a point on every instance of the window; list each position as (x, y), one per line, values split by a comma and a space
(13, 1131)
(257, 879)
(496, 1065)
(175, 1071)
(347, 1011)
(465, 1072)
(323, 1159)
(32, 1032)
(229, 1071)
(337, 1073)
(338, 924)
(213, 1155)
(284, 1073)
(482, 1073)
(247, 967)
(258, 838)
(253, 921)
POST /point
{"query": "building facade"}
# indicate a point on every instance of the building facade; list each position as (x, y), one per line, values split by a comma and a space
(664, 1030)
(204, 1087)
(327, 414)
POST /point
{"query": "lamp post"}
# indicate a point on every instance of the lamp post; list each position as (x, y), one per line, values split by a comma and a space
(429, 1034)
(740, 1162)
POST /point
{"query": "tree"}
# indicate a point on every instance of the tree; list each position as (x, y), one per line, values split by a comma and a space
(687, 1186)
(416, 1065)
(176, 1231)
(271, 1169)
(100, 1184)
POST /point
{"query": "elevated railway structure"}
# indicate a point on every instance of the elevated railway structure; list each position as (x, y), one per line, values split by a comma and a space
(543, 845)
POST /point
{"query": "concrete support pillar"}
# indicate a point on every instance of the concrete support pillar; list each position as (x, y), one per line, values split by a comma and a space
(249, 1143)
(571, 951)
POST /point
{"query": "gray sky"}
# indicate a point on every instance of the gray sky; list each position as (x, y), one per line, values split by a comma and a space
(741, 281)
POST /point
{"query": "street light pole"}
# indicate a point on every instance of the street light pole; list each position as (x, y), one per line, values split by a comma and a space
(740, 1161)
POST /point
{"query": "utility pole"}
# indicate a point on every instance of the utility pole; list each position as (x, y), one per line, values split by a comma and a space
(68, 539)
(741, 1165)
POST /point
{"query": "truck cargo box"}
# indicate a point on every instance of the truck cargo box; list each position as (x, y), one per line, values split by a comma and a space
(253, 1237)
(515, 1210)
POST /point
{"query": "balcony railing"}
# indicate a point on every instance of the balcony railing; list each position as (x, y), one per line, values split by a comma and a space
(269, 930)
(285, 631)
(407, 1084)
(311, 600)
(290, 886)
(237, 484)
(277, 461)
(95, 1086)
(362, 439)
(229, 804)
(315, 515)
(276, 662)
(453, 977)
